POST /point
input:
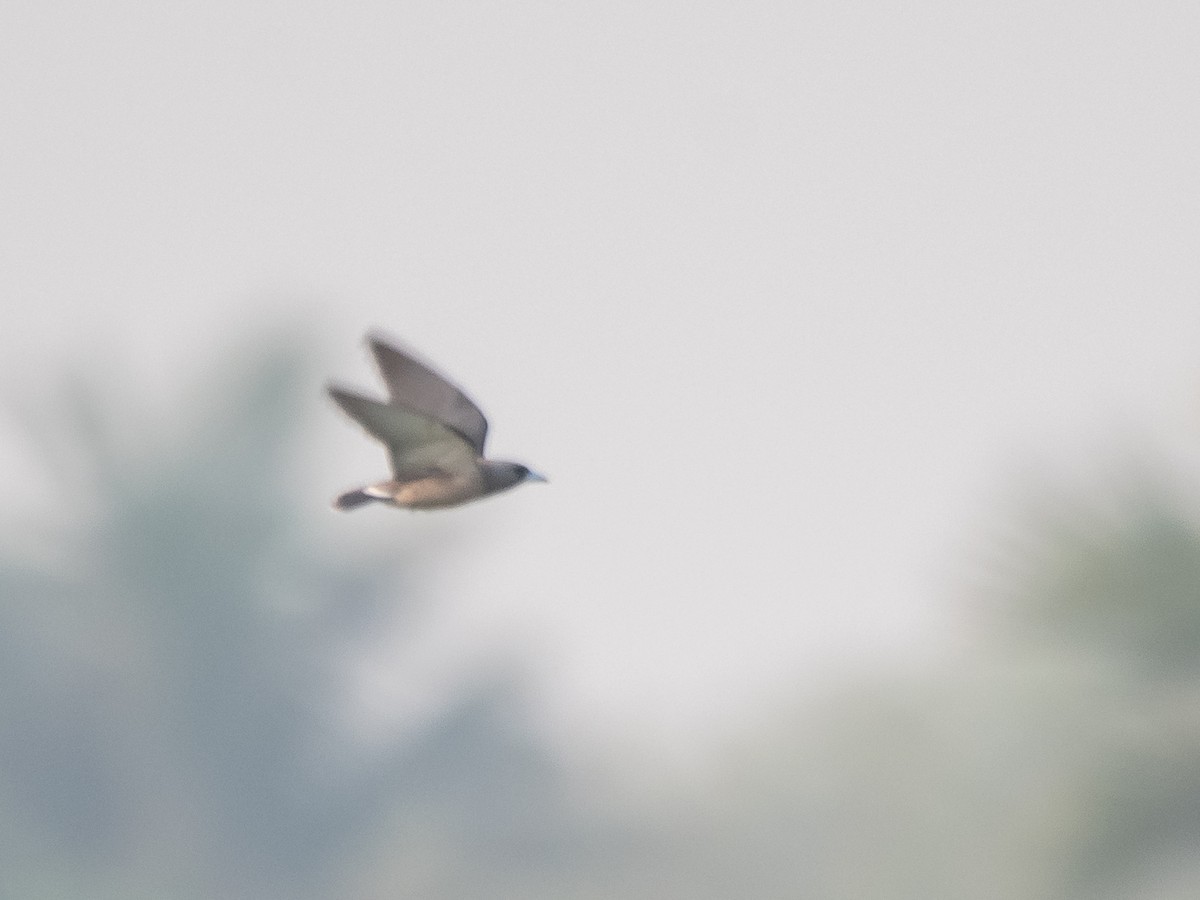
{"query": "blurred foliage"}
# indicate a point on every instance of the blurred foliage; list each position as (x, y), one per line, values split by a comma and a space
(168, 686)
(1055, 753)
(170, 726)
(1116, 575)
(1109, 586)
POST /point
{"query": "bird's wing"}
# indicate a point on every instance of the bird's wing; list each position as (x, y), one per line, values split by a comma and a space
(417, 387)
(416, 444)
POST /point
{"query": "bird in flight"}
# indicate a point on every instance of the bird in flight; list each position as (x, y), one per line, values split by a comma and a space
(434, 436)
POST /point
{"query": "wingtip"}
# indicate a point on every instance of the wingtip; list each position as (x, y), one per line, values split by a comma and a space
(378, 339)
(344, 397)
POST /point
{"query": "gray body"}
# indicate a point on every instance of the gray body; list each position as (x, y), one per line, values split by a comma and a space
(434, 435)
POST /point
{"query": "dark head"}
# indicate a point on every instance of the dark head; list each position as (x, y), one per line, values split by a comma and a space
(499, 475)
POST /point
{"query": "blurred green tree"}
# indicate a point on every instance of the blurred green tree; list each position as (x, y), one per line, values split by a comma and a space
(1111, 585)
(168, 678)
(1054, 752)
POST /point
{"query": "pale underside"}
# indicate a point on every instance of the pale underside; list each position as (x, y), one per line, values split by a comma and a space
(431, 492)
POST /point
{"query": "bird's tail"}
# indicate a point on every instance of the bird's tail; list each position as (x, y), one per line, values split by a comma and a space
(354, 499)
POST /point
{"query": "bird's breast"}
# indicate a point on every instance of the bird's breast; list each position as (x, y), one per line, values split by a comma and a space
(436, 491)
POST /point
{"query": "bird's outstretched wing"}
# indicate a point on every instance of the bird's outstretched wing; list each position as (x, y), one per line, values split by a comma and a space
(416, 443)
(416, 387)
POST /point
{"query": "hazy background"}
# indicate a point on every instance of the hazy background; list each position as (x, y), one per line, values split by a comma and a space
(859, 342)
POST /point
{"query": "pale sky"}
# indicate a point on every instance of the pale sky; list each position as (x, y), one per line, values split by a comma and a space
(781, 296)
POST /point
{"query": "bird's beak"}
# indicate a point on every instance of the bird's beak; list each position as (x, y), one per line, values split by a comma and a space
(534, 476)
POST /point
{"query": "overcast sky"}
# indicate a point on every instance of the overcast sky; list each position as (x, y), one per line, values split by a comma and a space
(781, 296)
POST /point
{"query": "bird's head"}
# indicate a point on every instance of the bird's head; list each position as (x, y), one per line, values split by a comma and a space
(499, 474)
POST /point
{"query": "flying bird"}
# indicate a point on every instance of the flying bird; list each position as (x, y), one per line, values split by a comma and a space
(434, 435)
